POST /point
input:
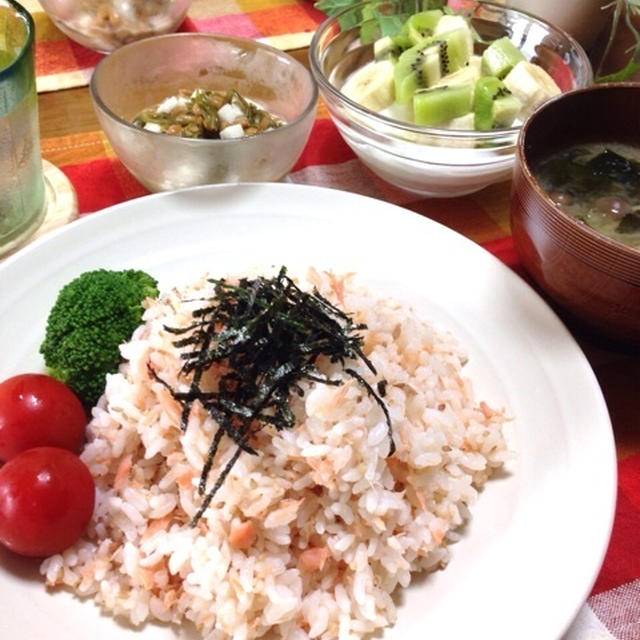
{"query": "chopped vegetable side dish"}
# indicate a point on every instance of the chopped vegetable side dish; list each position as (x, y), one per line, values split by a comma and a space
(206, 113)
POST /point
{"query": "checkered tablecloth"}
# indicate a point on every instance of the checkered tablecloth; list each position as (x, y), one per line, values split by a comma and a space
(287, 24)
(613, 608)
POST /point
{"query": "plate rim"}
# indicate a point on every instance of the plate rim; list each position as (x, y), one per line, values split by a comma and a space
(382, 209)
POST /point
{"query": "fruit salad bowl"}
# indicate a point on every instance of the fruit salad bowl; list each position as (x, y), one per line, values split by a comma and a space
(375, 85)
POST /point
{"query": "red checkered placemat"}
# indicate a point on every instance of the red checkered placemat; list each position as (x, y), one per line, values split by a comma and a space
(61, 63)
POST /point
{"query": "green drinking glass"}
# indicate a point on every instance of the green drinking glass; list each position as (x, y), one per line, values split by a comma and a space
(22, 188)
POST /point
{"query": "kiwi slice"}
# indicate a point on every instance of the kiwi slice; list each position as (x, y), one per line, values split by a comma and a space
(421, 25)
(505, 110)
(494, 106)
(459, 48)
(417, 68)
(422, 65)
(438, 105)
(500, 57)
(417, 27)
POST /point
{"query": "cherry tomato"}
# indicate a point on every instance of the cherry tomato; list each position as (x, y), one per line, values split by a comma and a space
(47, 497)
(37, 410)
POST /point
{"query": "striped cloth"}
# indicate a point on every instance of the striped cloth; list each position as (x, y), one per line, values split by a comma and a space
(613, 608)
(61, 63)
(612, 611)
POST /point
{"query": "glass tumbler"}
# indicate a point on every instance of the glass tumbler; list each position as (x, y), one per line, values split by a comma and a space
(22, 188)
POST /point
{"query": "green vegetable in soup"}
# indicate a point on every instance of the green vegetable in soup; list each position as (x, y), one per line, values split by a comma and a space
(614, 167)
(206, 113)
(599, 185)
(630, 223)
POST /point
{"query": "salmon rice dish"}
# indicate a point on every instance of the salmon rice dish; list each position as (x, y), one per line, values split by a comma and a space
(276, 457)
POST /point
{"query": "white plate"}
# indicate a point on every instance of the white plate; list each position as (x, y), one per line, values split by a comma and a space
(537, 535)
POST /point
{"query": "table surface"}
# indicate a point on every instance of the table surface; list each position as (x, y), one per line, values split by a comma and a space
(70, 111)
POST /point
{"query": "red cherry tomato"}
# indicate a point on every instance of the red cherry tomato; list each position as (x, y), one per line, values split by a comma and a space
(47, 497)
(37, 410)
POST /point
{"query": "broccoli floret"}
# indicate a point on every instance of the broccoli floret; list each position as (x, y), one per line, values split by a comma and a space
(92, 316)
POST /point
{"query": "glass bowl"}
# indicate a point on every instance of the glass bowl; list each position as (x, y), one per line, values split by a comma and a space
(144, 73)
(433, 161)
(104, 25)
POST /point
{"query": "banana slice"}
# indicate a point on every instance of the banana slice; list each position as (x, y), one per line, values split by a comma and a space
(465, 122)
(385, 49)
(372, 86)
(532, 85)
(449, 22)
(466, 75)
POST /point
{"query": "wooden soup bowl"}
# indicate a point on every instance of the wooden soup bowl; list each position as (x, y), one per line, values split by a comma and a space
(592, 279)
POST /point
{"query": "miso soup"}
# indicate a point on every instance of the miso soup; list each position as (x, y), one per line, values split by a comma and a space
(599, 184)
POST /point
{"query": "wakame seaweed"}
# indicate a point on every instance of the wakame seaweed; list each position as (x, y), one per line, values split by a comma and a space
(630, 223)
(615, 167)
(266, 334)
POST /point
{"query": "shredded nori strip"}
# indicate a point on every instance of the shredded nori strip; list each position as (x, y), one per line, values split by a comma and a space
(266, 334)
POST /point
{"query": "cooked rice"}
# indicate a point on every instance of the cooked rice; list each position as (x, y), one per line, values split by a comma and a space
(310, 538)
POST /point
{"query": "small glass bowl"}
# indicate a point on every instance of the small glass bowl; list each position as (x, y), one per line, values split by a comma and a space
(105, 25)
(433, 161)
(144, 73)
